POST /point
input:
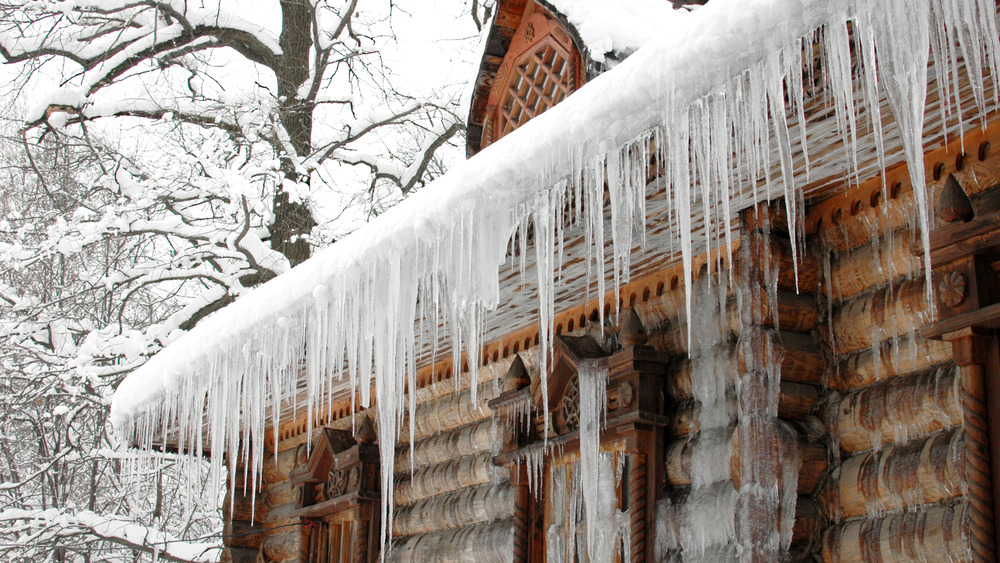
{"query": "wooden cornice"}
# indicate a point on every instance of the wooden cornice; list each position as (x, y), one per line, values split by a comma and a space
(663, 287)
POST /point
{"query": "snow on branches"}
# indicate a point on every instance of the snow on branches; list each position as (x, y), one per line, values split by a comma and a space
(172, 155)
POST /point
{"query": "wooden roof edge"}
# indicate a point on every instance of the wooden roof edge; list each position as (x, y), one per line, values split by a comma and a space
(860, 201)
(498, 352)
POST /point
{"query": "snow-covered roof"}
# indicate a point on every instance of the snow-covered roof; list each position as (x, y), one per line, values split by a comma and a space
(617, 30)
(706, 98)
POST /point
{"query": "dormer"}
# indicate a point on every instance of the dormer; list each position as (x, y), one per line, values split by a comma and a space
(532, 62)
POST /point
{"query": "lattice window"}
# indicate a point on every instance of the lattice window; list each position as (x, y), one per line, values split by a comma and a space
(540, 69)
(541, 81)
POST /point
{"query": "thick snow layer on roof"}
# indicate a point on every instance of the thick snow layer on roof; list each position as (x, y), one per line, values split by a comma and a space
(689, 62)
(720, 100)
(620, 27)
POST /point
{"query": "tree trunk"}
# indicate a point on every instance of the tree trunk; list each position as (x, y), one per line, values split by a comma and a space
(293, 219)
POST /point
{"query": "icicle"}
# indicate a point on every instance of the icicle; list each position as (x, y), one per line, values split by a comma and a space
(544, 243)
(791, 465)
(593, 403)
(681, 182)
(903, 52)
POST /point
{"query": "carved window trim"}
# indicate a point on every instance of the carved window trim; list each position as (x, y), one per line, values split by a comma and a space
(337, 485)
(634, 436)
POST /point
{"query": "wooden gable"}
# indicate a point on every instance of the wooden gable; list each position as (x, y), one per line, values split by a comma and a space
(532, 61)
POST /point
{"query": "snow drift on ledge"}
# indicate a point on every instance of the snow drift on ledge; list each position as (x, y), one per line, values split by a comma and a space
(701, 96)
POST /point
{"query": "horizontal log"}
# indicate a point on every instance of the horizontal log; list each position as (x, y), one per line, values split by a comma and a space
(282, 544)
(279, 493)
(935, 533)
(238, 555)
(899, 409)
(888, 260)
(481, 542)
(922, 471)
(703, 516)
(685, 419)
(902, 356)
(796, 400)
(679, 372)
(802, 362)
(886, 313)
(493, 370)
(467, 440)
(464, 507)
(797, 313)
(812, 459)
(776, 252)
(280, 516)
(449, 412)
(239, 503)
(426, 393)
(708, 458)
(243, 535)
(277, 470)
(809, 523)
(432, 480)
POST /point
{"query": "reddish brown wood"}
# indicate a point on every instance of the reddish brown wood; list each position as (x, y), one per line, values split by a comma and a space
(541, 67)
(967, 293)
(636, 410)
(337, 499)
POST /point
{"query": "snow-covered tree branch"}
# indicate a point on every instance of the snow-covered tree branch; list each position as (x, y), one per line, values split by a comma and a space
(171, 155)
(55, 527)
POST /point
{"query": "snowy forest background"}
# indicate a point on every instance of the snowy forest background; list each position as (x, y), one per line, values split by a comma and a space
(158, 159)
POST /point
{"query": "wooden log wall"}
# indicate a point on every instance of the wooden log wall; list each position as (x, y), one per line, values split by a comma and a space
(451, 502)
(242, 530)
(897, 485)
(752, 319)
(930, 533)
(277, 499)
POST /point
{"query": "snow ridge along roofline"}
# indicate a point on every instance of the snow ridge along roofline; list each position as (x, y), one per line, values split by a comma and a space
(710, 91)
(612, 110)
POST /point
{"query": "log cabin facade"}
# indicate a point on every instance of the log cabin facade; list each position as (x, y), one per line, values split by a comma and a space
(820, 404)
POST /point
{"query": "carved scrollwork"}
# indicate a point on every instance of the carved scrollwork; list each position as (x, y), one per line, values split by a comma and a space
(952, 289)
(626, 394)
(336, 484)
(571, 404)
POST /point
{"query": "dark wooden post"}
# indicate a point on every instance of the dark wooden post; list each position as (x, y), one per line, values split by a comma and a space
(967, 295)
(636, 416)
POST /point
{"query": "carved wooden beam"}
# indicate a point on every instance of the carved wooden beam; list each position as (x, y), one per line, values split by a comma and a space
(967, 295)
